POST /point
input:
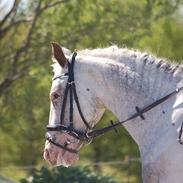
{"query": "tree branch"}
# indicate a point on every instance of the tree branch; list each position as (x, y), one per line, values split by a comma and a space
(50, 5)
(23, 48)
(8, 27)
(15, 4)
(170, 12)
(6, 83)
(15, 73)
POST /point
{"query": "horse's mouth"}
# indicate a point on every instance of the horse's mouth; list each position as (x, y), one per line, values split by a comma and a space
(58, 157)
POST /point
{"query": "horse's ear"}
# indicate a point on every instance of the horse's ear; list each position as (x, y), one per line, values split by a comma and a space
(58, 54)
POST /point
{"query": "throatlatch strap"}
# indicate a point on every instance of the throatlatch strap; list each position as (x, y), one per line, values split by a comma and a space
(79, 108)
(71, 88)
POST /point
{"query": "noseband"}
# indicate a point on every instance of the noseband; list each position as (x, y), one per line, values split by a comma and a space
(90, 133)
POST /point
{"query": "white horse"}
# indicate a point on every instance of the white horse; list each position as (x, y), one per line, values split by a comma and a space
(120, 79)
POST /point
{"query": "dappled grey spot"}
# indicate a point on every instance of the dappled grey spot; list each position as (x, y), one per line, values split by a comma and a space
(145, 58)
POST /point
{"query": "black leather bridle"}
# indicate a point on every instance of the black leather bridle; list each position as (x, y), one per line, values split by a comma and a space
(69, 128)
(90, 133)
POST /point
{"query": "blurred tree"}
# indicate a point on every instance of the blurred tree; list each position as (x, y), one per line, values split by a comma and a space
(17, 29)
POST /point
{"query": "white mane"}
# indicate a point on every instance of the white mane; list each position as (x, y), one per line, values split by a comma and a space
(122, 54)
(131, 58)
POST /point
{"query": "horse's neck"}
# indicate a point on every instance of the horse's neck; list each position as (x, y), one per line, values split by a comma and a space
(143, 72)
(129, 78)
(121, 87)
(124, 84)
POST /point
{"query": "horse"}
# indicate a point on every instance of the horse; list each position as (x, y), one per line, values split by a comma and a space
(121, 80)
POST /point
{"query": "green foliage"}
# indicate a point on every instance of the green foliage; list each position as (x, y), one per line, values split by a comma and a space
(167, 38)
(65, 175)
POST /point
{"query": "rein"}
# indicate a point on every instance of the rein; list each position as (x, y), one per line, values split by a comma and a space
(92, 133)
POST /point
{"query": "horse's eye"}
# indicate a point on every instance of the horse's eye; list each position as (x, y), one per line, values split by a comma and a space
(54, 96)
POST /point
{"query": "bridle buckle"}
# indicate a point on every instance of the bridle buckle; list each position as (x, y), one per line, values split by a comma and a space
(71, 82)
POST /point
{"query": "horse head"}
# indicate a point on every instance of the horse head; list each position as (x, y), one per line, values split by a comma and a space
(74, 110)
